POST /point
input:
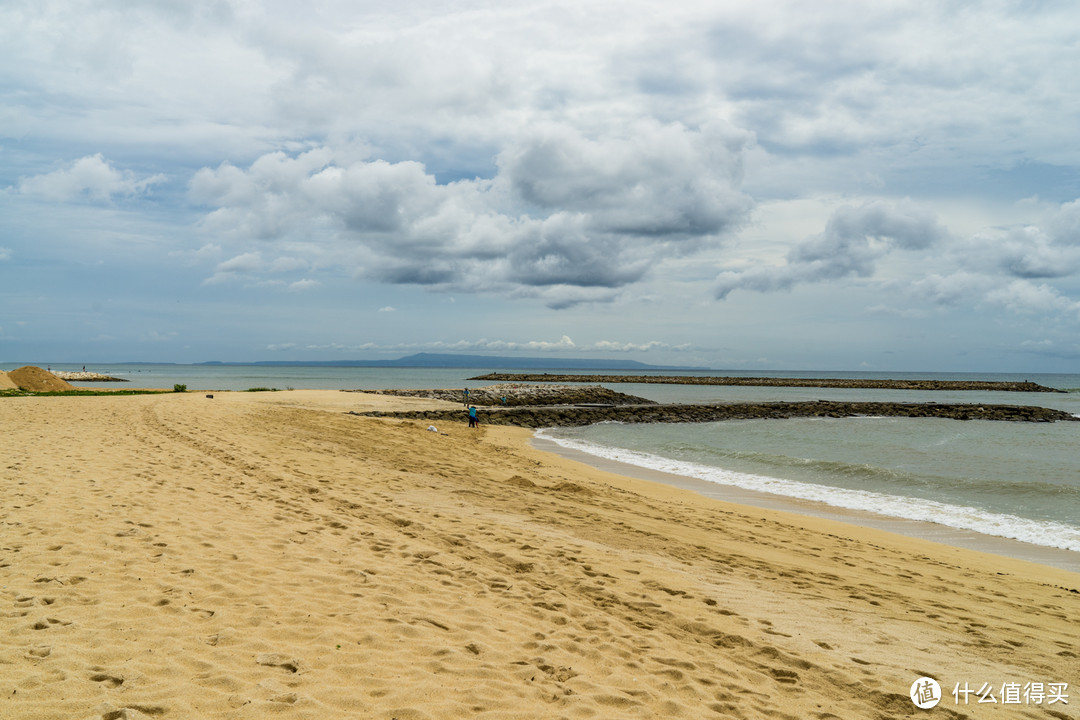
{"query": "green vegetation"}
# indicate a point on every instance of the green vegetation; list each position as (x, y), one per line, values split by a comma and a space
(262, 390)
(76, 393)
(179, 388)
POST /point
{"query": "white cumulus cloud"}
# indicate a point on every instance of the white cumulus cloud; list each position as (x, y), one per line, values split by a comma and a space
(305, 284)
(568, 219)
(91, 178)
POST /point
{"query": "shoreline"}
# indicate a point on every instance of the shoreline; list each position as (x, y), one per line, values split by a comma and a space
(933, 532)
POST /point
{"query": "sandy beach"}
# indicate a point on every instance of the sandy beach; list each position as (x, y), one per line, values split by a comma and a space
(267, 555)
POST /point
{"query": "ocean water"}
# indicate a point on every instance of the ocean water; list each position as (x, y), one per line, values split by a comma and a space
(1012, 480)
(246, 377)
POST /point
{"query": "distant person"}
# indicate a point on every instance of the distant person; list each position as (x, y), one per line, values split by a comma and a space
(465, 394)
(474, 421)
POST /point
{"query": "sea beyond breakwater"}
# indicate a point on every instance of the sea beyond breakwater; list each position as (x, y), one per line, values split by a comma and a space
(578, 415)
(866, 383)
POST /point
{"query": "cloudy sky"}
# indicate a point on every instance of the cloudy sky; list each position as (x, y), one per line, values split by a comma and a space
(788, 185)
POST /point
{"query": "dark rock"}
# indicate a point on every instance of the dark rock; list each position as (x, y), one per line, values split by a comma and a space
(566, 416)
(518, 395)
(775, 382)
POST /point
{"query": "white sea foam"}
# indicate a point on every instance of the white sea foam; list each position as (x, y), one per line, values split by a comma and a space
(1037, 532)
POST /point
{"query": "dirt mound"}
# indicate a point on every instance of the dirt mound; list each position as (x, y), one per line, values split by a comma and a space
(7, 383)
(33, 379)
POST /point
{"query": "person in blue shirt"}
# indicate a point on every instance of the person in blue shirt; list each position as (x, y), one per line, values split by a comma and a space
(473, 420)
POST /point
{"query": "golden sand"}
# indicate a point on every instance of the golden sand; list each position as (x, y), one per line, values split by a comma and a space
(266, 555)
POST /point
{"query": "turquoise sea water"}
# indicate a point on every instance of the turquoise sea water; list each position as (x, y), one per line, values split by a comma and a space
(1014, 480)
(1011, 480)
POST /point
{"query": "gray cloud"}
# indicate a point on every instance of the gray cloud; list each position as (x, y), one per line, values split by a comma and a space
(961, 287)
(1025, 269)
(855, 239)
(1064, 224)
(932, 271)
(561, 251)
(1028, 298)
(658, 180)
(567, 218)
(1050, 249)
(1027, 252)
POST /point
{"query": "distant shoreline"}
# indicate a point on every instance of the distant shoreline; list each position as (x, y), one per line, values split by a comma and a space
(981, 385)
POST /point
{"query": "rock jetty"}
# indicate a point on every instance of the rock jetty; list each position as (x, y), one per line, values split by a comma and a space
(775, 382)
(84, 376)
(519, 395)
(564, 416)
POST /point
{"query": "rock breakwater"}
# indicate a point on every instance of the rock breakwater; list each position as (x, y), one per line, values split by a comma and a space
(85, 376)
(564, 416)
(520, 395)
(1024, 386)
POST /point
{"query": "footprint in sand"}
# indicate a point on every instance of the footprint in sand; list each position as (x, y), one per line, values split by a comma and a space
(286, 698)
(784, 676)
(277, 660)
(131, 712)
(110, 681)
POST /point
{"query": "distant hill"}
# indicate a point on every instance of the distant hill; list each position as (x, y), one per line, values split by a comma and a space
(491, 362)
